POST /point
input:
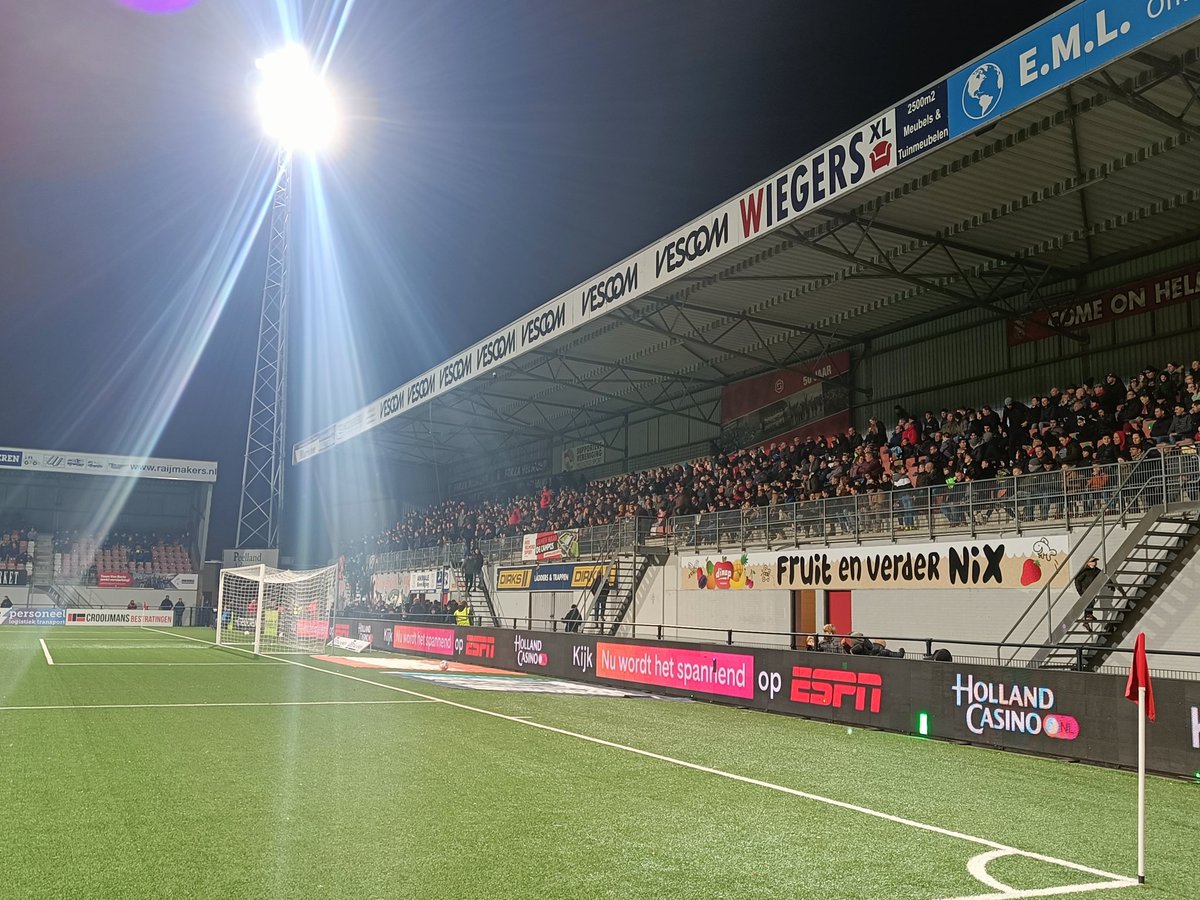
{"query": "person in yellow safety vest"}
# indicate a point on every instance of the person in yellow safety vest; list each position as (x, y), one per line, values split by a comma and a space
(462, 615)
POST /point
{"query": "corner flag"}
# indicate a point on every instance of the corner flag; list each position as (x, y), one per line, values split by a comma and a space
(1138, 689)
(1139, 676)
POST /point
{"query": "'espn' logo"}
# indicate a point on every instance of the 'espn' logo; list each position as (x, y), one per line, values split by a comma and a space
(481, 645)
(831, 687)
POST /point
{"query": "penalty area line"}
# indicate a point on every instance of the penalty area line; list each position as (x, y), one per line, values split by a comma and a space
(1112, 880)
(46, 652)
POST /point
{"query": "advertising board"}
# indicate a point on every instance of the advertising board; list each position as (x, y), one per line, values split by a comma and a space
(810, 399)
(64, 462)
(33, 615)
(1074, 715)
(1117, 305)
(135, 618)
(114, 579)
(1014, 562)
(553, 577)
(423, 639)
(550, 545)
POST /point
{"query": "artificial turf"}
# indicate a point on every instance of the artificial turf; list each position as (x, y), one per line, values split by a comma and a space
(355, 795)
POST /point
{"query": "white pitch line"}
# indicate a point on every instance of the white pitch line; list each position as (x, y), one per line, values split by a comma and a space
(1114, 881)
(46, 651)
(104, 664)
(207, 705)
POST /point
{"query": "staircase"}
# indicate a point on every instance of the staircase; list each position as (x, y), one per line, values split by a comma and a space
(1136, 575)
(611, 603)
(482, 609)
(43, 562)
(68, 596)
(1161, 495)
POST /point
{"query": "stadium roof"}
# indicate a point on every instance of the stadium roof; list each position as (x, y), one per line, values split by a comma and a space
(998, 188)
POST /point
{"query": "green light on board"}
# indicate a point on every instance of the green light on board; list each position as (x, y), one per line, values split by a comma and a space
(923, 725)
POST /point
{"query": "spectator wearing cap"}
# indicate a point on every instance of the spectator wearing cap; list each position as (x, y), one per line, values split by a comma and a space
(1183, 426)
(1014, 416)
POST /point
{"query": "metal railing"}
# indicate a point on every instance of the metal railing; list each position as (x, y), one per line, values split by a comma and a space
(1066, 498)
(1149, 484)
(593, 543)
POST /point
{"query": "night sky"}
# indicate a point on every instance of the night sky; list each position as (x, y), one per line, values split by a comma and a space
(496, 154)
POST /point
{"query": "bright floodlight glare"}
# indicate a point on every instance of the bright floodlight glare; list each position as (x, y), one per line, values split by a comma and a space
(294, 103)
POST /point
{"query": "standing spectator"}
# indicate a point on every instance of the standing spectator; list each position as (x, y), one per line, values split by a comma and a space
(573, 619)
(5, 603)
(1083, 580)
(472, 568)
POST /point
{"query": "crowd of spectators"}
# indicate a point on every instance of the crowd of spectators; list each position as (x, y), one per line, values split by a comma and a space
(16, 548)
(420, 608)
(1072, 432)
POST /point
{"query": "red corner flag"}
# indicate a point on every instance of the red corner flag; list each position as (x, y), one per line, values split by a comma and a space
(1139, 676)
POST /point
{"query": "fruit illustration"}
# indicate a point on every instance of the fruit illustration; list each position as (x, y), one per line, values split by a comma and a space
(738, 581)
(711, 581)
(701, 578)
(1030, 572)
(723, 574)
(749, 582)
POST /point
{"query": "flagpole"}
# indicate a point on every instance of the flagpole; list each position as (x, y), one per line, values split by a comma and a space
(1141, 801)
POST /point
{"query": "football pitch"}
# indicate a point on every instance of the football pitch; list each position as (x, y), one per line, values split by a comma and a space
(147, 763)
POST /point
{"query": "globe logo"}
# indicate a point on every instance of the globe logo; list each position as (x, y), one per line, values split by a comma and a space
(982, 91)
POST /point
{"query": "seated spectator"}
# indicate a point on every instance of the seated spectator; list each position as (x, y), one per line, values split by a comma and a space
(828, 643)
(858, 645)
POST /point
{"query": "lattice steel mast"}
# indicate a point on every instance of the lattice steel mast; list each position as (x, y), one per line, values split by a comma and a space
(260, 510)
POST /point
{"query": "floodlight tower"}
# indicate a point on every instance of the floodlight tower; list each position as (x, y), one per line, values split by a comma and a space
(298, 114)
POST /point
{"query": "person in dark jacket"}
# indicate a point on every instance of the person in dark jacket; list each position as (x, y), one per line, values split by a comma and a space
(573, 619)
(1083, 580)
(166, 603)
(178, 619)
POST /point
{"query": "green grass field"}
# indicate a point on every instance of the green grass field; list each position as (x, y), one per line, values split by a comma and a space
(145, 764)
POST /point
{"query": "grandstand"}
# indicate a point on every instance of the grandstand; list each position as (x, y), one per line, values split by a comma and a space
(87, 530)
(843, 448)
(924, 332)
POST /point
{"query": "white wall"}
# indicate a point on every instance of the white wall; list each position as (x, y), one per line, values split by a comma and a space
(659, 601)
(1173, 623)
(120, 597)
(23, 596)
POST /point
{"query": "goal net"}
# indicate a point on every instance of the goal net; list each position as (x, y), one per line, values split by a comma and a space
(269, 610)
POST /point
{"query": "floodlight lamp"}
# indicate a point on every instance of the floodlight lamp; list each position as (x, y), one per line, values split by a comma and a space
(294, 102)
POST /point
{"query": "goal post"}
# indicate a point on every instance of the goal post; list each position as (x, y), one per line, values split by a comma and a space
(266, 610)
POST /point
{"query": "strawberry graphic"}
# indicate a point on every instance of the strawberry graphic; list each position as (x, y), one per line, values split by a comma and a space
(1031, 572)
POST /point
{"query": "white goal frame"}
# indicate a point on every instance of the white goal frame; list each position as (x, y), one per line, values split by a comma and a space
(245, 607)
